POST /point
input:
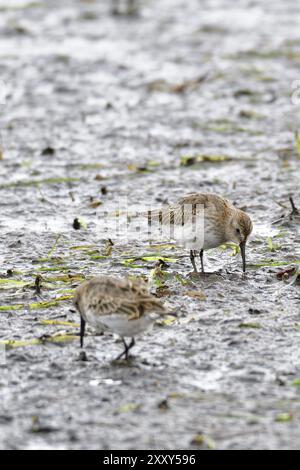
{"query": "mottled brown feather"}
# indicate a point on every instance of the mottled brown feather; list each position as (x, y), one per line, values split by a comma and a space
(105, 295)
(214, 207)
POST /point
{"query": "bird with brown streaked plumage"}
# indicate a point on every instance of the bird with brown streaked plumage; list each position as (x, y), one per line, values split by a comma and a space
(123, 306)
(202, 221)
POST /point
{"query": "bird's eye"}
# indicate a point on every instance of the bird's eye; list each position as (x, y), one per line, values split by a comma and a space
(238, 231)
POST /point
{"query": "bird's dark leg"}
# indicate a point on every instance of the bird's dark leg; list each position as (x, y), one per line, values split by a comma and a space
(192, 257)
(125, 352)
(127, 348)
(82, 330)
(201, 259)
(295, 211)
(132, 343)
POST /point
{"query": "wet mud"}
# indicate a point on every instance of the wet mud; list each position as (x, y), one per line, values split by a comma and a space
(176, 97)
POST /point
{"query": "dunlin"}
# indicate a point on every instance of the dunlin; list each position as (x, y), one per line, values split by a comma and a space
(203, 221)
(123, 306)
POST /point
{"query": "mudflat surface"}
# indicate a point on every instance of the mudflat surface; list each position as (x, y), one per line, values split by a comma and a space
(180, 97)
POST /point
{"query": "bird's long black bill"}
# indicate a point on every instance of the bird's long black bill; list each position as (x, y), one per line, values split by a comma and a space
(243, 253)
(82, 330)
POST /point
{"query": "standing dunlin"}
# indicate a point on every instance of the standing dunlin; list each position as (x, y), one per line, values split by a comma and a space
(122, 306)
(203, 221)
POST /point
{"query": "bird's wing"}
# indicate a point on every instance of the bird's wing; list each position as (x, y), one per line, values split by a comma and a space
(129, 297)
(132, 307)
(194, 198)
(208, 204)
(148, 303)
(206, 200)
(104, 305)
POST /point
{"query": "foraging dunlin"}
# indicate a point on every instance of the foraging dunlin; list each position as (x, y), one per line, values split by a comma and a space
(122, 306)
(202, 221)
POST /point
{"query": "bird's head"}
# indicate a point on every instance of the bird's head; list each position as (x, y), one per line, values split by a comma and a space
(238, 230)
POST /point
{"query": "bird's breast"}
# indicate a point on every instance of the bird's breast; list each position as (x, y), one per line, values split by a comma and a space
(202, 235)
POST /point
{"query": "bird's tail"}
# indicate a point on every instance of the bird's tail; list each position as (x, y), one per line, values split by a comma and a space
(152, 304)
